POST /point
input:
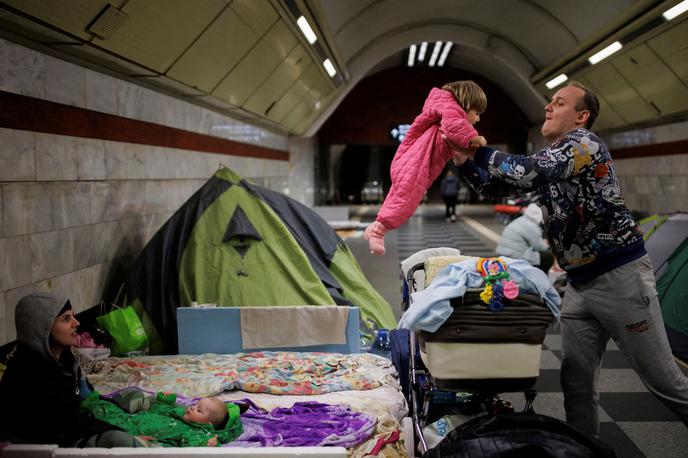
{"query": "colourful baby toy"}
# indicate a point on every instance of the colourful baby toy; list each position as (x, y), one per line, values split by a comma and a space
(497, 283)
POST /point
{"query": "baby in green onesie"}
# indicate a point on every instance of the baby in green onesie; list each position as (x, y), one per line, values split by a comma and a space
(210, 422)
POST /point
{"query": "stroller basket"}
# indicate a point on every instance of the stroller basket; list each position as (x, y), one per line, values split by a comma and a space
(479, 350)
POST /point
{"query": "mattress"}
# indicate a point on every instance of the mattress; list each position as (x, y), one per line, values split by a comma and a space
(365, 382)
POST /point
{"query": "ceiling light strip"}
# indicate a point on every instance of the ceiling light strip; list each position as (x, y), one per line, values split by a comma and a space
(556, 81)
(445, 52)
(327, 63)
(421, 51)
(606, 52)
(411, 56)
(306, 29)
(435, 53)
(676, 10)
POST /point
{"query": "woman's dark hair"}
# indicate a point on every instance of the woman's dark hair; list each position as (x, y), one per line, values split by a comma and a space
(67, 306)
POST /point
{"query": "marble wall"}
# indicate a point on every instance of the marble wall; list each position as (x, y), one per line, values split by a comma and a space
(75, 211)
(657, 183)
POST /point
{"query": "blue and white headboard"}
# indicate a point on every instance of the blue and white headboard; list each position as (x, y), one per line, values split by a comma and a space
(332, 329)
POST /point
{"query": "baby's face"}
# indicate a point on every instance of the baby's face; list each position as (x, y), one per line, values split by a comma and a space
(200, 412)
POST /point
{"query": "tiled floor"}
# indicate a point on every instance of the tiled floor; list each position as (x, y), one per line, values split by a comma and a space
(634, 422)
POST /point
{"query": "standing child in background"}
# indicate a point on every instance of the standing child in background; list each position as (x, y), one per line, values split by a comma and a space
(452, 110)
(160, 419)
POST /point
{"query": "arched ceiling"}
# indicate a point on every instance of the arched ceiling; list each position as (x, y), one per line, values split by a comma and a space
(247, 58)
(521, 44)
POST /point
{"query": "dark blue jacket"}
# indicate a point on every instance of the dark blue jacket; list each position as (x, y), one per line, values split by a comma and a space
(450, 186)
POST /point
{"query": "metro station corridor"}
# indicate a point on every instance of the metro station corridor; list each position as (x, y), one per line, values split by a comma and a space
(184, 152)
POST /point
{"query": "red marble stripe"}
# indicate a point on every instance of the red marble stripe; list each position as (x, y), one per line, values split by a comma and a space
(658, 149)
(29, 113)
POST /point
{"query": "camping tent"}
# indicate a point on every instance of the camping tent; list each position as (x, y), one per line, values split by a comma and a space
(667, 244)
(234, 243)
(664, 237)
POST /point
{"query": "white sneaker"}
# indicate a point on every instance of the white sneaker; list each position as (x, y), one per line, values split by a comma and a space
(448, 219)
(453, 218)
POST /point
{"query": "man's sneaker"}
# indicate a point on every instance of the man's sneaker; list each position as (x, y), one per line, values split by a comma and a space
(448, 219)
(453, 218)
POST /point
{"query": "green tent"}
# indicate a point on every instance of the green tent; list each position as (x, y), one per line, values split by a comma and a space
(666, 241)
(673, 297)
(234, 243)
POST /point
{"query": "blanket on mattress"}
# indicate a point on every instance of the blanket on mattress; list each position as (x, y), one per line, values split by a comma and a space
(259, 372)
(305, 424)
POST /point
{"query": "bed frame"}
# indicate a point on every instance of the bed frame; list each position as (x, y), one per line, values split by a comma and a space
(216, 330)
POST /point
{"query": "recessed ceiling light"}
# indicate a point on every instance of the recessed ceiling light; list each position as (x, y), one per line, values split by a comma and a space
(556, 81)
(445, 52)
(412, 55)
(435, 53)
(421, 51)
(606, 52)
(327, 63)
(306, 29)
(676, 10)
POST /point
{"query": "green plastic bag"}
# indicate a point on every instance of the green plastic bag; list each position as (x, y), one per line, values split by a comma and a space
(126, 329)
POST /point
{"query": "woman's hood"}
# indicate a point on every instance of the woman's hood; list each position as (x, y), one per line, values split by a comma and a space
(34, 317)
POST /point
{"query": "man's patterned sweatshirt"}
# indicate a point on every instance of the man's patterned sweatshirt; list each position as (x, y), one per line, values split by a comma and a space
(590, 230)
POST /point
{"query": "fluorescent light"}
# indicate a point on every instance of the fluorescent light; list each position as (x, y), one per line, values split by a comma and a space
(306, 29)
(445, 52)
(412, 55)
(327, 63)
(556, 81)
(676, 10)
(606, 52)
(421, 52)
(435, 53)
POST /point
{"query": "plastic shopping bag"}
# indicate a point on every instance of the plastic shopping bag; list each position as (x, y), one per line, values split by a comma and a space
(126, 329)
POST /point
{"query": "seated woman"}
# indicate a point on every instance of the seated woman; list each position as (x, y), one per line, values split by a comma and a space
(40, 389)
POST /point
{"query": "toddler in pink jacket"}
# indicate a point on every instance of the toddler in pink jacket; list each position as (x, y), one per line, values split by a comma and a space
(421, 156)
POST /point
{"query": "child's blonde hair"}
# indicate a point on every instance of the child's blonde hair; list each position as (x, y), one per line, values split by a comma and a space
(468, 94)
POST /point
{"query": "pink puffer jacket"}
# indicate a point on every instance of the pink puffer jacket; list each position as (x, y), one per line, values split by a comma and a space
(423, 154)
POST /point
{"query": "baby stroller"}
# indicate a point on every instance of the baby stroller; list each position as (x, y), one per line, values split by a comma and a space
(476, 353)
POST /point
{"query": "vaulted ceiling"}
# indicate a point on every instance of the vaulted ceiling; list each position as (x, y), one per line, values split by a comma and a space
(247, 58)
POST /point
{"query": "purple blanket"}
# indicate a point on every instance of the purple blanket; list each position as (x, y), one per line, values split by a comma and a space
(305, 424)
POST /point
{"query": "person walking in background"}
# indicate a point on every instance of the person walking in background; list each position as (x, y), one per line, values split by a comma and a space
(454, 110)
(522, 239)
(611, 288)
(449, 188)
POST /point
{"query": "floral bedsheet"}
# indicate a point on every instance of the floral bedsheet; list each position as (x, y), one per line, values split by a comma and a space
(302, 373)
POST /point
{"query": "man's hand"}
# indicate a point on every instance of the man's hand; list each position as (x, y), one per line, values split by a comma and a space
(478, 141)
(459, 159)
(212, 442)
(469, 152)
